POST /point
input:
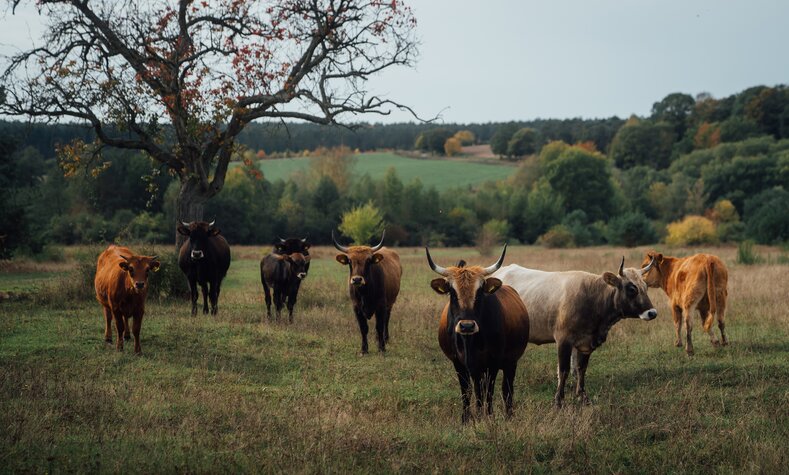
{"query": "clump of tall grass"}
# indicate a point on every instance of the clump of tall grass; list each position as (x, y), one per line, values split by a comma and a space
(746, 254)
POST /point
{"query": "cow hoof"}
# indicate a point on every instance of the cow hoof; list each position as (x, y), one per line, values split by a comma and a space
(126, 337)
(715, 343)
(724, 343)
(689, 352)
(678, 344)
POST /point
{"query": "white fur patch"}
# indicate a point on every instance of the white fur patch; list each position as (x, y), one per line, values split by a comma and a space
(645, 315)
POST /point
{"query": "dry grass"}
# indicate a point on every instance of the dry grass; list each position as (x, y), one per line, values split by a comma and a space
(238, 393)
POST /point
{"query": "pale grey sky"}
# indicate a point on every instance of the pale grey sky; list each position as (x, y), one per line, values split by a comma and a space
(500, 60)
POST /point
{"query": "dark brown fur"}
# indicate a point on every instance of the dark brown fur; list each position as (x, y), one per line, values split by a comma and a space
(121, 288)
(210, 268)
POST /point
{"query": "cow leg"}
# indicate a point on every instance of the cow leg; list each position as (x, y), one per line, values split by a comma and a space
(380, 328)
(204, 289)
(214, 295)
(565, 353)
(107, 325)
(386, 324)
(193, 290)
(480, 382)
(278, 300)
(136, 331)
(464, 378)
(676, 314)
(580, 377)
(707, 319)
(508, 387)
(721, 315)
(363, 329)
(292, 302)
(686, 317)
(490, 378)
(267, 294)
(126, 328)
(119, 328)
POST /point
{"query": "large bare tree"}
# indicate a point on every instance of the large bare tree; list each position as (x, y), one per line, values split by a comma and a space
(180, 79)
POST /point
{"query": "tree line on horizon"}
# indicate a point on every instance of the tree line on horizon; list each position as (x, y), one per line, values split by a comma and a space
(697, 170)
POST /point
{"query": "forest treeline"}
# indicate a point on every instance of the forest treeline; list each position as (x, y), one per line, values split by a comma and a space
(697, 170)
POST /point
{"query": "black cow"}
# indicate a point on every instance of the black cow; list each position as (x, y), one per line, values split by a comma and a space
(283, 273)
(205, 259)
(484, 328)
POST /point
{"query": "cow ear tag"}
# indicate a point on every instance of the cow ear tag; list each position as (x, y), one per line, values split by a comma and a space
(377, 258)
(440, 285)
(492, 284)
(342, 259)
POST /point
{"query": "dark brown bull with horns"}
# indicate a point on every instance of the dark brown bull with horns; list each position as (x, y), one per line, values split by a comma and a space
(205, 259)
(484, 328)
(373, 285)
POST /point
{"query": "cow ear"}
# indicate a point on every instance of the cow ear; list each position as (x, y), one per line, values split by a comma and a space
(491, 285)
(377, 258)
(155, 266)
(612, 279)
(213, 231)
(124, 265)
(342, 259)
(182, 229)
(306, 246)
(658, 258)
(440, 285)
(279, 248)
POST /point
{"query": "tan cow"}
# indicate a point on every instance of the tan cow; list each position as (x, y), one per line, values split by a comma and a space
(695, 282)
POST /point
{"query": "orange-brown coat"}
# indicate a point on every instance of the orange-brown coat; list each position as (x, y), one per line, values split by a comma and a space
(695, 282)
(121, 285)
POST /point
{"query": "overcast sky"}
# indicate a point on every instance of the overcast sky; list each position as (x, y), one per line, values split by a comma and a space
(499, 60)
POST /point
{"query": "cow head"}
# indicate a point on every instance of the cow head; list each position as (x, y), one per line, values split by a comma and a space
(654, 275)
(198, 232)
(467, 287)
(630, 297)
(299, 264)
(359, 259)
(291, 245)
(138, 268)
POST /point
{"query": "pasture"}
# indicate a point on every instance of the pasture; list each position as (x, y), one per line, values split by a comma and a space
(439, 173)
(238, 393)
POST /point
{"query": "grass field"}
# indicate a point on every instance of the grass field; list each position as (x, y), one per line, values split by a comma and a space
(440, 173)
(237, 393)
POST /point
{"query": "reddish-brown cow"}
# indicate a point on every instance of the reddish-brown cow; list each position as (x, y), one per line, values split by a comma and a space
(697, 281)
(121, 287)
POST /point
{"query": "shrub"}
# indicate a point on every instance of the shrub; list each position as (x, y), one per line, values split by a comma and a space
(492, 233)
(692, 230)
(630, 229)
(77, 285)
(452, 147)
(362, 223)
(558, 236)
(746, 255)
(765, 216)
(731, 232)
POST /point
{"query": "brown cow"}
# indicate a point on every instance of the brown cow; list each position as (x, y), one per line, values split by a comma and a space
(484, 328)
(373, 286)
(121, 287)
(697, 281)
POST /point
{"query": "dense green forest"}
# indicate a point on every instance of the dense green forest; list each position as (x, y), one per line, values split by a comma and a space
(697, 170)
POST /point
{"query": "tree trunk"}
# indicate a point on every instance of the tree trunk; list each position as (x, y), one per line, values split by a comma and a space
(191, 203)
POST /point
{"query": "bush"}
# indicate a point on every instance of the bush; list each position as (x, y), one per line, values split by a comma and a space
(77, 285)
(746, 255)
(731, 232)
(765, 216)
(584, 233)
(362, 223)
(630, 229)
(558, 236)
(692, 230)
(492, 233)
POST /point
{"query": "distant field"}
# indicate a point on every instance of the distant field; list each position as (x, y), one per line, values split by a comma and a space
(440, 173)
(238, 393)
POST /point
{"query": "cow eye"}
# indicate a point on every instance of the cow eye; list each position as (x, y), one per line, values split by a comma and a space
(631, 290)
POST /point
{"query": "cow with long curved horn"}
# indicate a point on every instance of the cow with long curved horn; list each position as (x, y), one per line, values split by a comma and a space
(481, 332)
(373, 285)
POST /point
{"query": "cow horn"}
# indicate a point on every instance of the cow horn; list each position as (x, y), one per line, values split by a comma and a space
(154, 258)
(380, 244)
(648, 267)
(282, 241)
(495, 267)
(339, 246)
(622, 267)
(123, 257)
(436, 268)
(211, 223)
(304, 241)
(186, 224)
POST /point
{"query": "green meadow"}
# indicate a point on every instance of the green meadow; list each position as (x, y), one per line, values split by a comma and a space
(239, 393)
(441, 173)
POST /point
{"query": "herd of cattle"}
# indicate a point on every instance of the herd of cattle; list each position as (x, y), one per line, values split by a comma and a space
(492, 314)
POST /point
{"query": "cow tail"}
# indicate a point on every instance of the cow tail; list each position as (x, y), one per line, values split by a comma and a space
(711, 297)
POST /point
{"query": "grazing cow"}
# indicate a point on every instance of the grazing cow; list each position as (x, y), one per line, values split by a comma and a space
(576, 310)
(121, 287)
(205, 259)
(697, 281)
(484, 328)
(373, 286)
(283, 273)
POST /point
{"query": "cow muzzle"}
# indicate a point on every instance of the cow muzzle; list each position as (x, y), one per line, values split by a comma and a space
(301, 275)
(139, 285)
(197, 255)
(648, 315)
(466, 327)
(357, 281)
